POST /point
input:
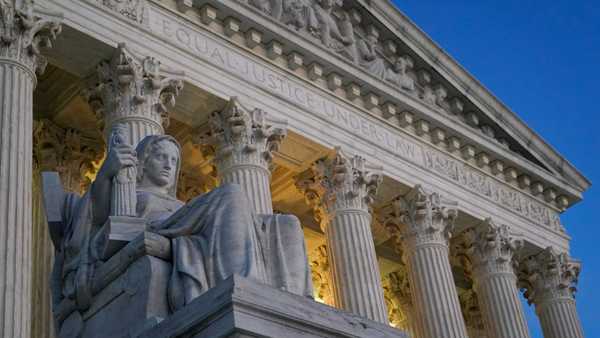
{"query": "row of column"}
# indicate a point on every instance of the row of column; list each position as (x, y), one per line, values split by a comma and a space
(423, 223)
(133, 91)
(341, 189)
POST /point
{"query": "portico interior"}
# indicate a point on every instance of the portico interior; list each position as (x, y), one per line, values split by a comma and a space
(462, 198)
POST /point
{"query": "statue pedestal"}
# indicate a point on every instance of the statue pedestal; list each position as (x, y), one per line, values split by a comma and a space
(243, 308)
(129, 293)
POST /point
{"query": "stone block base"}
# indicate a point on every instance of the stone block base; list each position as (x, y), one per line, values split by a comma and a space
(243, 308)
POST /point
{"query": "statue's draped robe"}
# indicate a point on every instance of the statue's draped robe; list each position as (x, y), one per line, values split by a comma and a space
(212, 237)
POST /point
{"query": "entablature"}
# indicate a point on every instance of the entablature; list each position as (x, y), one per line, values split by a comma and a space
(397, 78)
(403, 143)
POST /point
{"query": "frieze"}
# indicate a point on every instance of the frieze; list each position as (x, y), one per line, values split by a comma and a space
(482, 184)
(280, 85)
(277, 83)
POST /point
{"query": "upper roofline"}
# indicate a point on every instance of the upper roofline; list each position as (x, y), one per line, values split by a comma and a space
(391, 16)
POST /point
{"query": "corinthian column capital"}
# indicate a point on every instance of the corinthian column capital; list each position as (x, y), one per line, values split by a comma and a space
(350, 182)
(67, 152)
(23, 33)
(244, 137)
(549, 276)
(423, 217)
(129, 88)
(491, 248)
(549, 279)
(340, 183)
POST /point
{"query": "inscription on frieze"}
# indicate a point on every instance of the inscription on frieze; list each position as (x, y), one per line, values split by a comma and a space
(280, 85)
(205, 47)
(482, 184)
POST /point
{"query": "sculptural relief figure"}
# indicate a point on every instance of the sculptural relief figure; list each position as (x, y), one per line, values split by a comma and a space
(339, 38)
(398, 73)
(273, 8)
(368, 55)
(212, 237)
(300, 15)
(129, 8)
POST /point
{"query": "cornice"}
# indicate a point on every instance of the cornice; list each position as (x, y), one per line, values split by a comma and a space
(300, 54)
(543, 214)
(470, 87)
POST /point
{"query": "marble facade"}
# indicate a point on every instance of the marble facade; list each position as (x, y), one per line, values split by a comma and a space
(424, 202)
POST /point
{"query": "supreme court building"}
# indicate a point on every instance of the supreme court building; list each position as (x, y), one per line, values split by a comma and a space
(426, 205)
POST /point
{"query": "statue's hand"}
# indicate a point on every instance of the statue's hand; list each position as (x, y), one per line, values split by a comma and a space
(120, 156)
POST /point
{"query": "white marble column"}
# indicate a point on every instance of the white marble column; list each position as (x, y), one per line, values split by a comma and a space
(349, 186)
(244, 142)
(550, 280)
(133, 91)
(42, 321)
(22, 34)
(424, 223)
(69, 154)
(491, 248)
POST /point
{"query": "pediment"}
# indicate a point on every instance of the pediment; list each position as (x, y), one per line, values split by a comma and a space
(481, 109)
(376, 57)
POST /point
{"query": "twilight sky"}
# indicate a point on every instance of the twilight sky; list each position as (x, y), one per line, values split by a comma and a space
(541, 58)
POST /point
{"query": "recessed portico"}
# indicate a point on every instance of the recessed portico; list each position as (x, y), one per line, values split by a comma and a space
(431, 152)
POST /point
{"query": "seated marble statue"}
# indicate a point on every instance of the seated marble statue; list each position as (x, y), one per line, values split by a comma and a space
(212, 237)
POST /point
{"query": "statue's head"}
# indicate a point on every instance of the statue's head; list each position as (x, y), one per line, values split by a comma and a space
(158, 163)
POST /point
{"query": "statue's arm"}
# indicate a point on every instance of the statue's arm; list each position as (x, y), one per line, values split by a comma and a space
(120, 156)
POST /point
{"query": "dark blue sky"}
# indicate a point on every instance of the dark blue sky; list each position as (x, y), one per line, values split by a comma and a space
(542, 59)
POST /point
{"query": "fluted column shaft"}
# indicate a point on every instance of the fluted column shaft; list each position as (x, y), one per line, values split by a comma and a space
(502, 311)
(550, 280)
(424, 222)
(16, 119)
(244, 142)
(354, 268)
(491, 249)
(409, 312)
(341, 190)
(71, 155)
(255, 182)
(43, 260)
(22, 33)
(559, 318)
(434, 294)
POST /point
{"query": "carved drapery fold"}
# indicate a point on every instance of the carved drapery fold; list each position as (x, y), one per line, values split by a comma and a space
(134, 91)
(549, 280)
(244, 142)
(423, 225)
(341, 190)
